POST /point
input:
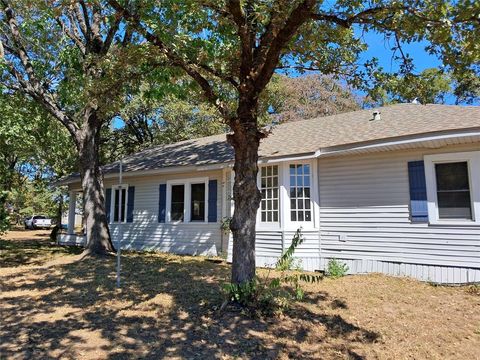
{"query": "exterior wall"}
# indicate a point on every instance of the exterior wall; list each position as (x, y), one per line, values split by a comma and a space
(364, 221)
(361, 217)
(146, 233)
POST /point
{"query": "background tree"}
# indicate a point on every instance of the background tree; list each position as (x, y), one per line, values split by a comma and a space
(34, 151)
(431, 86)
(151, 117)
(307, 97)
(71, 58)
(232, 48)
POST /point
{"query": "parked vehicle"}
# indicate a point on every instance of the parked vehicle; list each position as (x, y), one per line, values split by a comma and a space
(38, 222)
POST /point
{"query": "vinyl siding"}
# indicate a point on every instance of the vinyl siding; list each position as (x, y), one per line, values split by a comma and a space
(146, 233)
(365, 221)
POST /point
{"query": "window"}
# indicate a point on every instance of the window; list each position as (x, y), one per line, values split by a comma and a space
(453, 190)
(177, 209)
(269, 188)
(186, 200)
(197, 202)
(300, 209)
(119, 205)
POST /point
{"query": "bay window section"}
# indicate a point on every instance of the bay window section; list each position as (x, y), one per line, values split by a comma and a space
(197, 202)
(177, 209)
(269, 208)
(300, 198)
(453, 191)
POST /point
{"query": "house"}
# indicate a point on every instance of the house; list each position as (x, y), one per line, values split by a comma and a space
(395, 191)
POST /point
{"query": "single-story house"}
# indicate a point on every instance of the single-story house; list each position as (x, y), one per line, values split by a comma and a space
(395, 190)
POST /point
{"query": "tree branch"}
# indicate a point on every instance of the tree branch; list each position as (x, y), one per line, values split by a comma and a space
(244, 34)
(190, 68)
(267, 61)
(33, 86)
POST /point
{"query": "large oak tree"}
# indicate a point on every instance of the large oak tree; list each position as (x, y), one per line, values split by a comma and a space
(72, 58)
(232, 48)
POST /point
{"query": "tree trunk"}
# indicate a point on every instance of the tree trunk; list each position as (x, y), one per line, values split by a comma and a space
(58, 226)
(245, 140)
(96, 226)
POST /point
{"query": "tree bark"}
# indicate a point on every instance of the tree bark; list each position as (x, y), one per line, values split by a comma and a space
(96, 226)
(246, 141)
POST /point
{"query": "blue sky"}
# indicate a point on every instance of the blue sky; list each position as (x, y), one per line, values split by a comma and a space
(381, 49)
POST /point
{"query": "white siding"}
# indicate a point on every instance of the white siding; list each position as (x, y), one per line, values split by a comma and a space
(364, 220)
(146, 233)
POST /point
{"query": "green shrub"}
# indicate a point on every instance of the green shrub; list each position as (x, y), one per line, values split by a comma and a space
(273, 295)
(336, 269)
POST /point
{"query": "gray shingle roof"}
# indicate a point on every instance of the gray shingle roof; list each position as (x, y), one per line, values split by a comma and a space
(308, 136)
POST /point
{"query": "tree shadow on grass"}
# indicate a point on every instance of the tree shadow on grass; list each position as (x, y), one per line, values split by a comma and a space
(167, 308)
(31, 252)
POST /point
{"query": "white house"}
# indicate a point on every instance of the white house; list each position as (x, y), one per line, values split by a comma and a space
(396, 191)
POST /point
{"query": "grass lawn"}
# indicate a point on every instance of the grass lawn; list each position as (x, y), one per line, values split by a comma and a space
(52, 305)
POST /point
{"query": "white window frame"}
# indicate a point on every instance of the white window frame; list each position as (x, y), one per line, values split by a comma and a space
(271, 225)
(306, 225)
(186, 199)
(472, 158)
(112, 204)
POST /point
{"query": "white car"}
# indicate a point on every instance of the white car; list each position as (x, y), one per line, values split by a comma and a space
(38, 222)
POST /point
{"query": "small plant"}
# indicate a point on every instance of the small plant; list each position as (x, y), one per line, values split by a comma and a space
(336, 269)
(474, 289)
(225, 224)
(273, 295)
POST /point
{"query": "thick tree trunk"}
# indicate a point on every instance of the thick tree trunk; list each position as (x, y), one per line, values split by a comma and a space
(96, 226)
(245, 140)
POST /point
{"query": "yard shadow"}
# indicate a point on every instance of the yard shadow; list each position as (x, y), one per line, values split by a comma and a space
(31, 252)
(167, 308)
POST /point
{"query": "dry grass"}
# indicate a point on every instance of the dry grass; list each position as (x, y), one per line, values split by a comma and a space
(167, 308)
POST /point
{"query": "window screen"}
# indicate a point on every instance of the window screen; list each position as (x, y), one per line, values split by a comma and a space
(197, 206)
(453, 191)
(117, 205)
(178, 203)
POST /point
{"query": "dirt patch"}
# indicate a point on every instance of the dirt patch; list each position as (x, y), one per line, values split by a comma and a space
(167, 308)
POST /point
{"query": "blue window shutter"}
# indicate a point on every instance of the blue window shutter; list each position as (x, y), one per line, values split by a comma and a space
(130, 203)
(108, 203)
(212, 201)
(162, 203)
(418, 191)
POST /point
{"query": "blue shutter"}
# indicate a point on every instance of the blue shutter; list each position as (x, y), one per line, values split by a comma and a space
(418, 191)
(130, 203)
(212, 201)
(108, 203)
(162, 203)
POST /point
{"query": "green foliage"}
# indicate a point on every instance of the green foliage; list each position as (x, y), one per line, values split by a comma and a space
(225, 224)
(336, 269)
(265, 295)
(4, 216)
